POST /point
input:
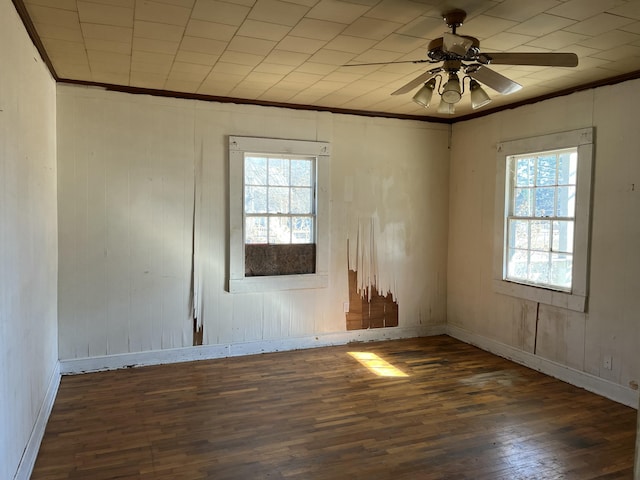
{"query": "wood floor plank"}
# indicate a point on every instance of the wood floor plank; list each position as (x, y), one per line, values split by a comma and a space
(461, 413)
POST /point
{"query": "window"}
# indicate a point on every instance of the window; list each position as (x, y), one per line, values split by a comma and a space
(541, 195)
(543, 202)
(278, 214)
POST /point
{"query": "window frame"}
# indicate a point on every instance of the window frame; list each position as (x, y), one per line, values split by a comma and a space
(238, 147)
(576, 298)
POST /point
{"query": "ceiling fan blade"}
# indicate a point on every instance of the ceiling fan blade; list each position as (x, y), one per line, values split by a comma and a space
(416, 81)
(385, 63)
(456, 44)
(494, 80)
(546, 59)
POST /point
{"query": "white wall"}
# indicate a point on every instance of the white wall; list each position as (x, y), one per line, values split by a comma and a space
(130, 167)
(576, 340)
(28, 238)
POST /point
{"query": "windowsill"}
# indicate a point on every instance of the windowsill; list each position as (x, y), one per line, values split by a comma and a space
(569, 301)
(280, 282)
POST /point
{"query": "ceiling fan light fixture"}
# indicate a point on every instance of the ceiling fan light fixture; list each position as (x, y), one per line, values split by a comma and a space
(447, 108)
(451, 93)
(479, 97)
(423, 96)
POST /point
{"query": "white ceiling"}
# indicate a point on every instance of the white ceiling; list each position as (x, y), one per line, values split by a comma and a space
(291, 51)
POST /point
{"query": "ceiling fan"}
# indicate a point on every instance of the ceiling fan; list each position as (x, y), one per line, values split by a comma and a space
(461, 55)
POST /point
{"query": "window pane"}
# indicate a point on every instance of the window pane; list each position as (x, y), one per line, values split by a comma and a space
(517, 264)
(539, 270)
(567, 168)
(540, 235)
(524, 172)
(301, 173)
(546, 170)
(301, 200)
(562, 237)
(523, 202)
(278, 171)
(280, 230)
(561, 266)
(255, 171)
(256, 230)
(302, 229)
(255, 199)
(544, 202)
(566, 202)
(278, 200)
(519, 233)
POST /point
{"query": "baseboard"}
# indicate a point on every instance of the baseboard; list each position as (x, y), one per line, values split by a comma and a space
(28, 460)
(206, 352)
(600, 386)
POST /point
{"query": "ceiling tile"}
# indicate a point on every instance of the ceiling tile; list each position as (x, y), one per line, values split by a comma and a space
(331, 57)
(273, 68)
(342, 77)
(610, 39)
(53, 16)
(317, 29)
(301, 45)
(335, 11)
(107, 32)
(241, 58)
(485, 26)
(156, 46)
(162, 60)
(317, 68)
(583, 9)
(59, 33)
(60, 4)
(371, 28)
(179, 3)
(505, 41)
(306, 78)
(631, 10)
(179, 85)
(423, 27)
(275, 11)
(521, 10)
(541, 25)
(632, 27)
(264, 30)
(108, 77)
(377, 56)
(219, 12)
(264, 78)
(108, 46)
(251, 45)
(232, 68)
(162, 13)
(556, 40)
(109, 61)
(117, 3)
(282, 57)
(395, 11)
(157, 31)
(90, 12)
(202, 45)
(147, 80)
(401, 43)
(599, 24)
(196, 57)
(345, 43)
(210, 30)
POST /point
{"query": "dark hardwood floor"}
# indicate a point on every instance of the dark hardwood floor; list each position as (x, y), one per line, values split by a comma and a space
(461, 413)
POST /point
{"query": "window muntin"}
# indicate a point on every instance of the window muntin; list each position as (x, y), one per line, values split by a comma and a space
(540, 218)
(279, 194)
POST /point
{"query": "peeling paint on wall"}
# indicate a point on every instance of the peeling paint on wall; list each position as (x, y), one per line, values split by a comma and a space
(371, 311)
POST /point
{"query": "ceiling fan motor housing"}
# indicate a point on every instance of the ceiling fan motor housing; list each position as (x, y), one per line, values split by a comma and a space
(437, 53)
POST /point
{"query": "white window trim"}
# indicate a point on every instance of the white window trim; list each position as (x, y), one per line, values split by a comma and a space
(576, 299)
(238, 146)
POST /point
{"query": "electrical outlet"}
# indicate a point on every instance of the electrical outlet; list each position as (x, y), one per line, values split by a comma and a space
(606, 362)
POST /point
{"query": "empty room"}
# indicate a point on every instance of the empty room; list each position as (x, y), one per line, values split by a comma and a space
(319, 239)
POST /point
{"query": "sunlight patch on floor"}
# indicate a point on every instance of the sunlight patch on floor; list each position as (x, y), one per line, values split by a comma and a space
(377, 365)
